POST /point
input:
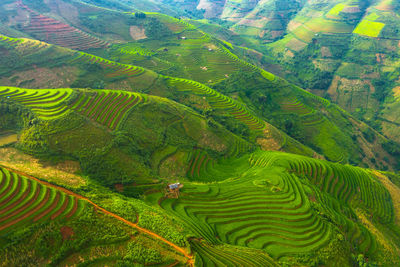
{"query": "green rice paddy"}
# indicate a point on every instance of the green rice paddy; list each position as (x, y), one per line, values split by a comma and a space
(267, 201)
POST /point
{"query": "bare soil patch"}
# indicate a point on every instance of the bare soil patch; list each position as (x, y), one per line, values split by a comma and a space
(137, 33)
(326, 52)
(296, 45)
(66, 232)
(61, 77)
(119, 187)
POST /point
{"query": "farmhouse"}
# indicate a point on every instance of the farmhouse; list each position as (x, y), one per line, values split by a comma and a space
(173, 190)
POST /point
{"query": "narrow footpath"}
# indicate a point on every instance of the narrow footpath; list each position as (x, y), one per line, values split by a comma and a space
(190, 259)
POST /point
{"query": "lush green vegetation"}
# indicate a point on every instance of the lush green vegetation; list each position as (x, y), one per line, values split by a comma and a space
(283, 203)
(130, 103)
(369, 28)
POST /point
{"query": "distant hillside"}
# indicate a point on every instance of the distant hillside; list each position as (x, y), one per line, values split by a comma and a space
(345, 51)
(187, 52)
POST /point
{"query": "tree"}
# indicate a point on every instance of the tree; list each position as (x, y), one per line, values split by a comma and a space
(140, 15)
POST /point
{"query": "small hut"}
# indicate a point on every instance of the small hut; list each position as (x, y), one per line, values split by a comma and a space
(172, 190)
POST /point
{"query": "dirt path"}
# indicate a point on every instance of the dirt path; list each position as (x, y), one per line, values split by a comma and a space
(190, 259)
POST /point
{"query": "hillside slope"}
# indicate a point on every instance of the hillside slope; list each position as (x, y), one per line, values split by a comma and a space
(144, 139)
(345, 51)
(135, 143)
(190, 53)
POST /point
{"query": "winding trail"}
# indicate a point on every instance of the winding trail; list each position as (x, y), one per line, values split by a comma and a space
(190, 258)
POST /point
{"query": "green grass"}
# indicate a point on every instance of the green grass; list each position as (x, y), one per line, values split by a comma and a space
(369, 28)
(372, 16)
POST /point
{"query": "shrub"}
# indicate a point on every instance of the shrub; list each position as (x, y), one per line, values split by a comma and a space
(139, 253)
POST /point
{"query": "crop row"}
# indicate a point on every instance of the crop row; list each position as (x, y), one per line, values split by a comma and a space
(228, 53)
(344, 183)
(207, 255)
(46, 103)
(106, 107)
(56, 32)
(219, 101)
(24, 201)
(261, 203)
(198, 164)
(24, 47)
(292, 104)
(253, 211)
(113, 69)
(344, 218)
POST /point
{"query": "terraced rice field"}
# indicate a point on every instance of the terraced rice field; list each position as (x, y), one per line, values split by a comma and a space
(263, 202)
(254, 211)
(24, 201)
(207, 255)
(198, 162)
(106, 107)
(308, 115)
(113, 69)
(175, 25)
(24, 47)
(47, 104)
(293, 105)
(244, 63)
(55, 32)
(339, 188)
(342, 182)
(219, 101)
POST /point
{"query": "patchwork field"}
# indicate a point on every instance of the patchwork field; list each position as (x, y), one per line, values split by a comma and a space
(369, 28)
(169, 143)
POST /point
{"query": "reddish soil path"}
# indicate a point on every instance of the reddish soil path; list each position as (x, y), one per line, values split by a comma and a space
(190, 259)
